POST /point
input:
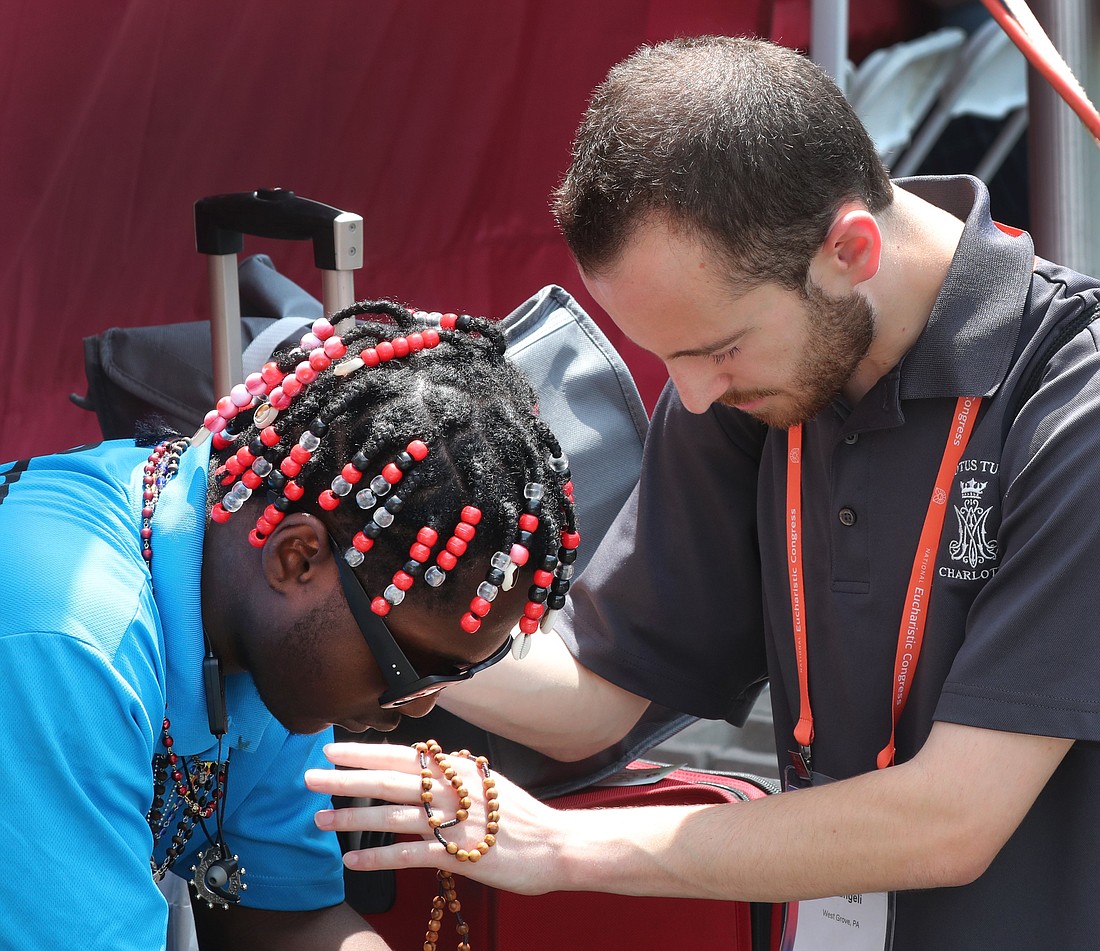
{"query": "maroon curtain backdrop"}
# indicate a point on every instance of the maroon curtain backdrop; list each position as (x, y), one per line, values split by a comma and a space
(445, 125)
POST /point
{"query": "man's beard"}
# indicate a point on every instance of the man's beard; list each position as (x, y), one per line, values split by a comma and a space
(840, 330)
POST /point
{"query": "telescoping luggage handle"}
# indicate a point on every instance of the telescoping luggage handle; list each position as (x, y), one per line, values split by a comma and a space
(222, 221)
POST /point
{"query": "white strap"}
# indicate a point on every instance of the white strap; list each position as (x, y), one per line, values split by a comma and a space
(258, 352)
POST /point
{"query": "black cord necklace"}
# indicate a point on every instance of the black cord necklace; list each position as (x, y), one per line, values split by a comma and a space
(186, 789)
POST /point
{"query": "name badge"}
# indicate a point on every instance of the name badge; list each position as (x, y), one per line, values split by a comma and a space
(842, 923)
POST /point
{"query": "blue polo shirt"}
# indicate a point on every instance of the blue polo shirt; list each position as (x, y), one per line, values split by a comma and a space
(94, 652)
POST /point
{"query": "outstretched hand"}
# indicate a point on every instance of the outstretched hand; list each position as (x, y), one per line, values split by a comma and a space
(525, 850)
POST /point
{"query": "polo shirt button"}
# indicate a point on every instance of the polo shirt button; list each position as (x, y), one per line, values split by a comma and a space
(847, 517)
(851, 438)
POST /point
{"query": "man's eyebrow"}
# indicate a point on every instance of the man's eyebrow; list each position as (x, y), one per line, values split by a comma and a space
(717, 347)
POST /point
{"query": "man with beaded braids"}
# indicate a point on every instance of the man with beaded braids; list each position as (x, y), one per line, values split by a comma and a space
(873, 482)
(356, 527)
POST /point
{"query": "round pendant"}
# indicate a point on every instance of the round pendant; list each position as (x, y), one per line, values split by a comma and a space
(217, 879)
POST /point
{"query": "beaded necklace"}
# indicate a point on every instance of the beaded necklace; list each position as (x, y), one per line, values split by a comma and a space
(185, 786)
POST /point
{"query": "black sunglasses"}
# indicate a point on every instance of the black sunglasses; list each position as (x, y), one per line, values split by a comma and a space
(405, 683)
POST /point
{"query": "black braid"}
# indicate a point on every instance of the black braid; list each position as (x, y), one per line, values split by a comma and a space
(473, 409)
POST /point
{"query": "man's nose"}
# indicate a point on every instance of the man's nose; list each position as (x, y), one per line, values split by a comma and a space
(698, 391)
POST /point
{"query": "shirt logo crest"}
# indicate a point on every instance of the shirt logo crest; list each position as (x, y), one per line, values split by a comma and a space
(972, 547)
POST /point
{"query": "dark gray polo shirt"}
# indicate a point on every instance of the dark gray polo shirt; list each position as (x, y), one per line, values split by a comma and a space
(687, 601)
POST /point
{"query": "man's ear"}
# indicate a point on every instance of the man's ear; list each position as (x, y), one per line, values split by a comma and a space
(296, 553)
(851, 252)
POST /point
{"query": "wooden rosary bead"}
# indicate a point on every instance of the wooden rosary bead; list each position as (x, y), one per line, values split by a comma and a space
(430, 752)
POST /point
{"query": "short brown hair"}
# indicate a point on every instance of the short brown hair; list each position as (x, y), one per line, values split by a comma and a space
(747, 144)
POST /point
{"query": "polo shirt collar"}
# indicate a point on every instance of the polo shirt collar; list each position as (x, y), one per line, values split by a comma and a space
(967, 346)
(178, 531)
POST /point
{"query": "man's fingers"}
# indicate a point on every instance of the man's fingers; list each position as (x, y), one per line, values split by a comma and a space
(408, 820)
(373, 756)
(365, 784)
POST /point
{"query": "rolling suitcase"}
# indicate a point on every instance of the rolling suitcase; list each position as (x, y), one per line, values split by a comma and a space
(582, 921)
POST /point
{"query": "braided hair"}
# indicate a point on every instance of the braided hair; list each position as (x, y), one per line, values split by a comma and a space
(419, 445)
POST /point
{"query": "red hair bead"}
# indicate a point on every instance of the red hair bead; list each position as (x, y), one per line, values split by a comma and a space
(519, 555)
(534, 610)
(385, 350)
(380, 606)
(335, 348)
(528, 625)
(470, 624)
(273, 515)
(255, 539)
(465, 531)
(431, 338)
(417, 449)
(269, 437)
(448, 321)
(351, 474)
(446, 560)
(328, 500)
(362, 542)
(251, 479)
(416, 342)
(391, 473)
(528, 523)
(226, 408)
(292, 386)
(369, 356)
(290, 469)
(480, 607)
(543, 578)
(319, 360)
(400, 347)
(570, 539)
(219, 514)
(304, 373)
(300, 454)
(470, 515)
(271, 374)
(427, 536)
(292, 490)
(456, 546)
(419, 552)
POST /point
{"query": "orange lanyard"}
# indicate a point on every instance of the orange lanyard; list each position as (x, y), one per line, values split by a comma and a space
(915, 615)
